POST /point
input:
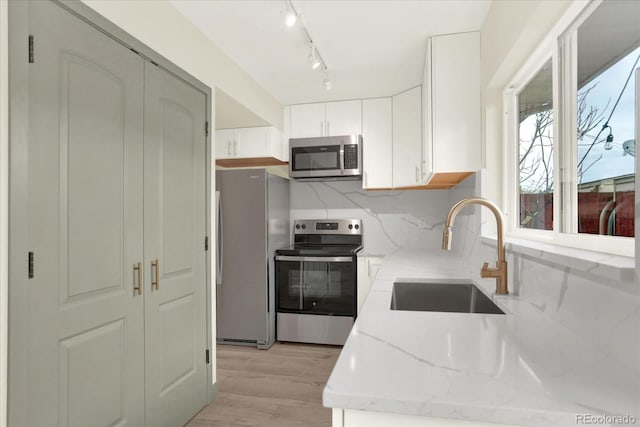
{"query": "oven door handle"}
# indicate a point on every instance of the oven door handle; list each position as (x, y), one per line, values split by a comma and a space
(314, 258)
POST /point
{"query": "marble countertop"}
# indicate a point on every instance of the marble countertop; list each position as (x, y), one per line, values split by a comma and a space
(519, 368)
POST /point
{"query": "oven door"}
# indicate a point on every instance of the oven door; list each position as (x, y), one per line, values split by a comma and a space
(316, 285)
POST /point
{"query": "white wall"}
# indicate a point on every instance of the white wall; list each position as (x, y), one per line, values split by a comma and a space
(161, 27)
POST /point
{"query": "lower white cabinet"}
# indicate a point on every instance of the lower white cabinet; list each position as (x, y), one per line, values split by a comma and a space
(368, 267)
(243, 143)
(355, 418)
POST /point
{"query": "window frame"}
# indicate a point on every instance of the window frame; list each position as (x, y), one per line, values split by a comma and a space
(559, 46)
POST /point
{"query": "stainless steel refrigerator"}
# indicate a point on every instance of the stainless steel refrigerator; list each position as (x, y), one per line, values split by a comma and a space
(253, 221)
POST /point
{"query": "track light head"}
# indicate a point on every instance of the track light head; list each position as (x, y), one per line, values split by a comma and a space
(290, 18)
(313, 59)
(327, 83)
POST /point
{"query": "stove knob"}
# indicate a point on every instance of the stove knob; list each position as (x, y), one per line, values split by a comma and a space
(297, 226)
(304, 226)
(350, 226)
(357, 226)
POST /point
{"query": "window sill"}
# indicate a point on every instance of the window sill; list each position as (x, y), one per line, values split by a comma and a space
(606, 266)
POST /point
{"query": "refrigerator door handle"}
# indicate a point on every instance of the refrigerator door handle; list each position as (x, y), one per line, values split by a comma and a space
(220, 239)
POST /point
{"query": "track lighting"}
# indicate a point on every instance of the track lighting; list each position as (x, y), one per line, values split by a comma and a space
(327, 83)
(290, 15)
(314, 61)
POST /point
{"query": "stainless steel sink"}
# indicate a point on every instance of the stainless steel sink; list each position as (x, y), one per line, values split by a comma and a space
(446, 297)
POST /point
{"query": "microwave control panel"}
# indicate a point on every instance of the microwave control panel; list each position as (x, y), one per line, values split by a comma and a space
(351, 156)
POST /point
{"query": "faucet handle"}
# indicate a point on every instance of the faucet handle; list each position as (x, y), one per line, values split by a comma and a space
(485, 266)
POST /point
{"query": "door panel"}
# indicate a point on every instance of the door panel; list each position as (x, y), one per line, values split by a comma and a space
(175, 310)
(82, 384)
(175, 176)
(92, 174)
(85, 226)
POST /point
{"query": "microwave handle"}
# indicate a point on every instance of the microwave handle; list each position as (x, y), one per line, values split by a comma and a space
(342, 159)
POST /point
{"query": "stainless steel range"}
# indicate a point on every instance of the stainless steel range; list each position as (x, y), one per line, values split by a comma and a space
(316, 281)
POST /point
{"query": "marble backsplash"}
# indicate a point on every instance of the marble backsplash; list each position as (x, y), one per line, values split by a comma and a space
(392, 219)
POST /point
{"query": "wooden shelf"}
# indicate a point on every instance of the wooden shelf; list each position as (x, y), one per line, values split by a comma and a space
(250, 162)
(439, 181)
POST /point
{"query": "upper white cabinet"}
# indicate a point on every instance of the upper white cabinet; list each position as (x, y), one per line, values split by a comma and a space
(245, 143)
(286, 133)
(451, 94)
(377, 138)
(326, 119)
(407, 138)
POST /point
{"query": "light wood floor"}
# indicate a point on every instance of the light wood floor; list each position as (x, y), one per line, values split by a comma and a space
(279, 387)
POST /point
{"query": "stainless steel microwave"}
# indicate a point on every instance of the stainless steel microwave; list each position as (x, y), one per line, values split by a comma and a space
(334, 157)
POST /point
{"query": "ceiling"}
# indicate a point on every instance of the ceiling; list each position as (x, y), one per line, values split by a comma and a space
(371, 47)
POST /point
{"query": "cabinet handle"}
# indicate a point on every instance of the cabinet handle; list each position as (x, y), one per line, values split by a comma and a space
(365, 180)
(137, 268)
(155, 265)
(417, 174)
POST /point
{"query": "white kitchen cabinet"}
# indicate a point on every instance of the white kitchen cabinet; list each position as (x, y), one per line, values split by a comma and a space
(357, 418)
(377, 137)
(286, 133)
(407, 138)
(307, 120)
(224, 143)
(247, 143)
(326, 119)
(368, 267)
(344, 118)
(451, 93)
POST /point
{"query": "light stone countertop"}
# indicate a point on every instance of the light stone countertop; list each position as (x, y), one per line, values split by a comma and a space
(519, 368)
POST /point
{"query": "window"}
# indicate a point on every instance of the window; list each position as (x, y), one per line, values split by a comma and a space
(535, 160)
(573, 121)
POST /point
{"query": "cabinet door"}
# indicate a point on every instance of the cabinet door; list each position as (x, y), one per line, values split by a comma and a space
(286, 134)
(85, 360)
(343, 118)
(377, 141)
(224, 144)
(251, 142)
(174, 229)
(407, 138)
(368, 267)
(307, 120)
(455, 86)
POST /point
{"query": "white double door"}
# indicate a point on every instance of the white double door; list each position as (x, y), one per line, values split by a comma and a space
(116, 197)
